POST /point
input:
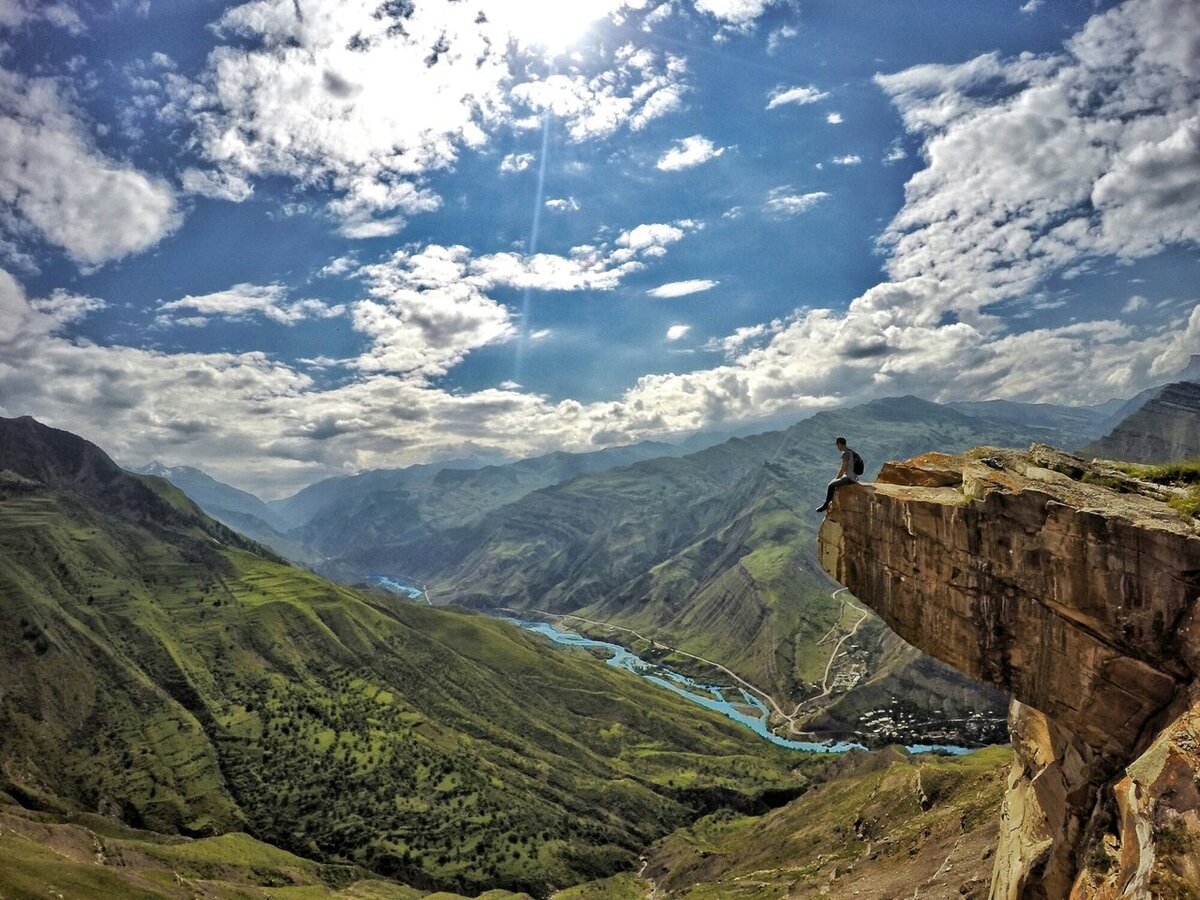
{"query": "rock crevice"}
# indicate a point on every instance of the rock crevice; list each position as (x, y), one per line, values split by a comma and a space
(1028, 571)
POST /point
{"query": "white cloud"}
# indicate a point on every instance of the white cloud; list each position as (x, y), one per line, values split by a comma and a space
(896, 152)
(216, 184)
(653, 239)
(563, 204)
(62, 189)
(683, 288)
(313, 97)
(850, 159)
(1031, 6)
(243, 301)
(739, 13)
(643, 86)
(15, 14)
(735, 344)
(339, 265)
(689, 152)
(1135, 303)
(782, 202)
(516, 162)
(431, 306)
(23, 318)
(800, 96)
(1049, 173)
(834, 118)
(776, 38)
(678, 332)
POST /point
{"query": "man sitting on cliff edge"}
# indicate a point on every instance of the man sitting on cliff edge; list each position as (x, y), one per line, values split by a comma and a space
(852, 467)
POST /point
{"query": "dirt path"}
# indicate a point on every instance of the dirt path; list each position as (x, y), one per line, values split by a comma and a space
(837, 648)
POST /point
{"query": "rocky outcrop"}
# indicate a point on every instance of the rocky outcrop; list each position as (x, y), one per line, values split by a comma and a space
(1164, 429)
(1030, 572)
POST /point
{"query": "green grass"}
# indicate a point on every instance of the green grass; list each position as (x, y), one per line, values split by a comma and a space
(865, 817)
(1179, 474)
(201, 689)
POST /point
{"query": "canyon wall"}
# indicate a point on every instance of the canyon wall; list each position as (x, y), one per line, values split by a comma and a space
(1075, 589)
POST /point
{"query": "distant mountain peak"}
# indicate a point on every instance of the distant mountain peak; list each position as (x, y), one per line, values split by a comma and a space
(1190, 372)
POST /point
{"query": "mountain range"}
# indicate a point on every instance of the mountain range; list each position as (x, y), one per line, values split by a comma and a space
(161, 670)
(701, 554)
(180, 706)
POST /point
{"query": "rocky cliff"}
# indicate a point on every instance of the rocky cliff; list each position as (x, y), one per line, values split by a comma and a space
(1075, 589)
(1164, 429)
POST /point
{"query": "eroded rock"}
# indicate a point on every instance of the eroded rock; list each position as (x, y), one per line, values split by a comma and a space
(1081, 602)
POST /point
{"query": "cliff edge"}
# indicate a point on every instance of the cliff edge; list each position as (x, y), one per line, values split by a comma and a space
(1076, 589)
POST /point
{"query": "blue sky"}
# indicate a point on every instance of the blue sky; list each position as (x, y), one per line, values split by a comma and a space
(290, 238)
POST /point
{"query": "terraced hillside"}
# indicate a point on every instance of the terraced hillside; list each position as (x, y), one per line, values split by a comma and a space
(160, 670)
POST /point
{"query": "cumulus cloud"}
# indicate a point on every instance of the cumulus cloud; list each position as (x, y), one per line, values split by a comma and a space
(216, 184)
(516, 162)
(689, 152)
(783, 201)
(63, 190)
(245, 301)
(22, 318)
(733, 345)
(834, 118)
(563, 204)
(431, 306)
(896, 152)
(799, 96)
(683, 288)
(652, 239)
(739, 13)
(678, 332)
(776, 38)
(642, 86)
(850, 159)
(312, 97)
(15, 14)
(1094, 151)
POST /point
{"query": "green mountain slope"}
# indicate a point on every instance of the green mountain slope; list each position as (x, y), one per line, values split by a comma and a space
(381, 507)
(882, 827)
(238, 509)
(712, 554)
(157, 668)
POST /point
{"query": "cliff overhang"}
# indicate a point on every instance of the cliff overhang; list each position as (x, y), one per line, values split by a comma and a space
(1076, 590)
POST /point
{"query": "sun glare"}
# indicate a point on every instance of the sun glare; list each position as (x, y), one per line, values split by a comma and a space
(553, 24)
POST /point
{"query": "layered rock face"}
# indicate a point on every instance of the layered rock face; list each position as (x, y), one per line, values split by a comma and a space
(1079, 594)
(1165, 429)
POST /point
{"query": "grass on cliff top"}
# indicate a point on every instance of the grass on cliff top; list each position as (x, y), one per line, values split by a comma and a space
(1178, 474)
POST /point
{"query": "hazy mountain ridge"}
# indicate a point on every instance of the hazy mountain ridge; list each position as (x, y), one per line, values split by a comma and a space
(163, 670)
(400, 504)
(1166, 428)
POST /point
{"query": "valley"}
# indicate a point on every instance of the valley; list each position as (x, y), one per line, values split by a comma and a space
(183, 710)
(162, 671)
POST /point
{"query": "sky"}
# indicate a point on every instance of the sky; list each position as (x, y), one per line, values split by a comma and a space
(287, 239)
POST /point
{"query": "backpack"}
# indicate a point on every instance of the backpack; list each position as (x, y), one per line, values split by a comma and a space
(859, 465)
